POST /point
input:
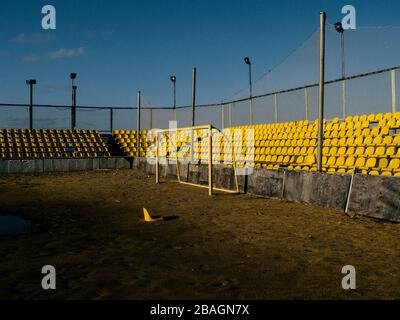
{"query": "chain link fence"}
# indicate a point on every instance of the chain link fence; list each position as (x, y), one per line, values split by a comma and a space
(373, 92)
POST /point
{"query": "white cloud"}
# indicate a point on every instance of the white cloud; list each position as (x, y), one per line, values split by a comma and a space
(66, 53)
(30, 59)
(33, 38)
(54, 55)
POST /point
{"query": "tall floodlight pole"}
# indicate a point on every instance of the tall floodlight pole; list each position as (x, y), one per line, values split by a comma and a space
(321, 89)
(248, 62)
(193, 96)
(74, 94)
(173, 80)
(31, 83)
(193, 114)
(73, 104)
(339, 28)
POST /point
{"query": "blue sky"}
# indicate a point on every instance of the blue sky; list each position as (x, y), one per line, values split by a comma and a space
(118, 47)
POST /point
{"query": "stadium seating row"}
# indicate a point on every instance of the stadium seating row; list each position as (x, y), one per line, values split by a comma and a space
(40, 143)
(369, 144)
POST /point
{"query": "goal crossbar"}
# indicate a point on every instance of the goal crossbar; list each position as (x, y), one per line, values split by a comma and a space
(210, 186)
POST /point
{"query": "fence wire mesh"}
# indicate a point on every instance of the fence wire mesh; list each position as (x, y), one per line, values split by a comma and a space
(366, 49)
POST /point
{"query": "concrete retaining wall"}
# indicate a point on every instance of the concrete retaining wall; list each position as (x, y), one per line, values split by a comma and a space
(373, 196)
(62, 165)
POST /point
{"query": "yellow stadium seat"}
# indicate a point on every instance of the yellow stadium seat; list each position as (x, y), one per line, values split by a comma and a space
(360, 151)
(369, 164)
(394, 165)
(379, 152)
(360, 162)
(382, 164)
(396, 140)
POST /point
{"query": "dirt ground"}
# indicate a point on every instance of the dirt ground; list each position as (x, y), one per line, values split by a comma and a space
(89, 226)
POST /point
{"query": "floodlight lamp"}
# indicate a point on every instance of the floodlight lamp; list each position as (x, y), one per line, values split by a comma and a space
(339, 27)
(247, 60)
(173, 78)
(73, 76)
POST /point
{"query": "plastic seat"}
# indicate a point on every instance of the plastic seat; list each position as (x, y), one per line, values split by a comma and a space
(382, 164)
(360, 151)
(340, 161)
(369, 164)
(394, 165)
(379, 152)
(360, 162)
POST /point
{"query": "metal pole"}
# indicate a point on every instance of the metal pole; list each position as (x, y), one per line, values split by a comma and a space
(276, 107)
(230, 115)
(251, 96)
(193, 95)
(72, 105)
(210, 171)
(193, 115)
(394, 102)
(349, 192)
(321, 89)
(138, 125)
(344, 81)
(174, 115)
(157, 160)
(306, 101)
(31, 106)
(74, 108)
(222, 116)
(111, 120)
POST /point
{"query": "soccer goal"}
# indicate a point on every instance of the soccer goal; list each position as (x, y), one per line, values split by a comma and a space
(199, 145)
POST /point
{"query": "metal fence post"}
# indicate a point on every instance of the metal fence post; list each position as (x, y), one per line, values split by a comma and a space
(276, 107)
(321, 89)
(393, 76)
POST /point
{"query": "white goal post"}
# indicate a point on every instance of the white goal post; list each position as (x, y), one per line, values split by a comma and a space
(190, 133)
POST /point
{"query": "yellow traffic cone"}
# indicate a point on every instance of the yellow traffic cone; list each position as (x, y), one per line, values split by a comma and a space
(148, 218)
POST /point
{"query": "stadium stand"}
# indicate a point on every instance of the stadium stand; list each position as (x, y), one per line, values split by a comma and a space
(40, 143)
(369, 144)
(126, 140)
